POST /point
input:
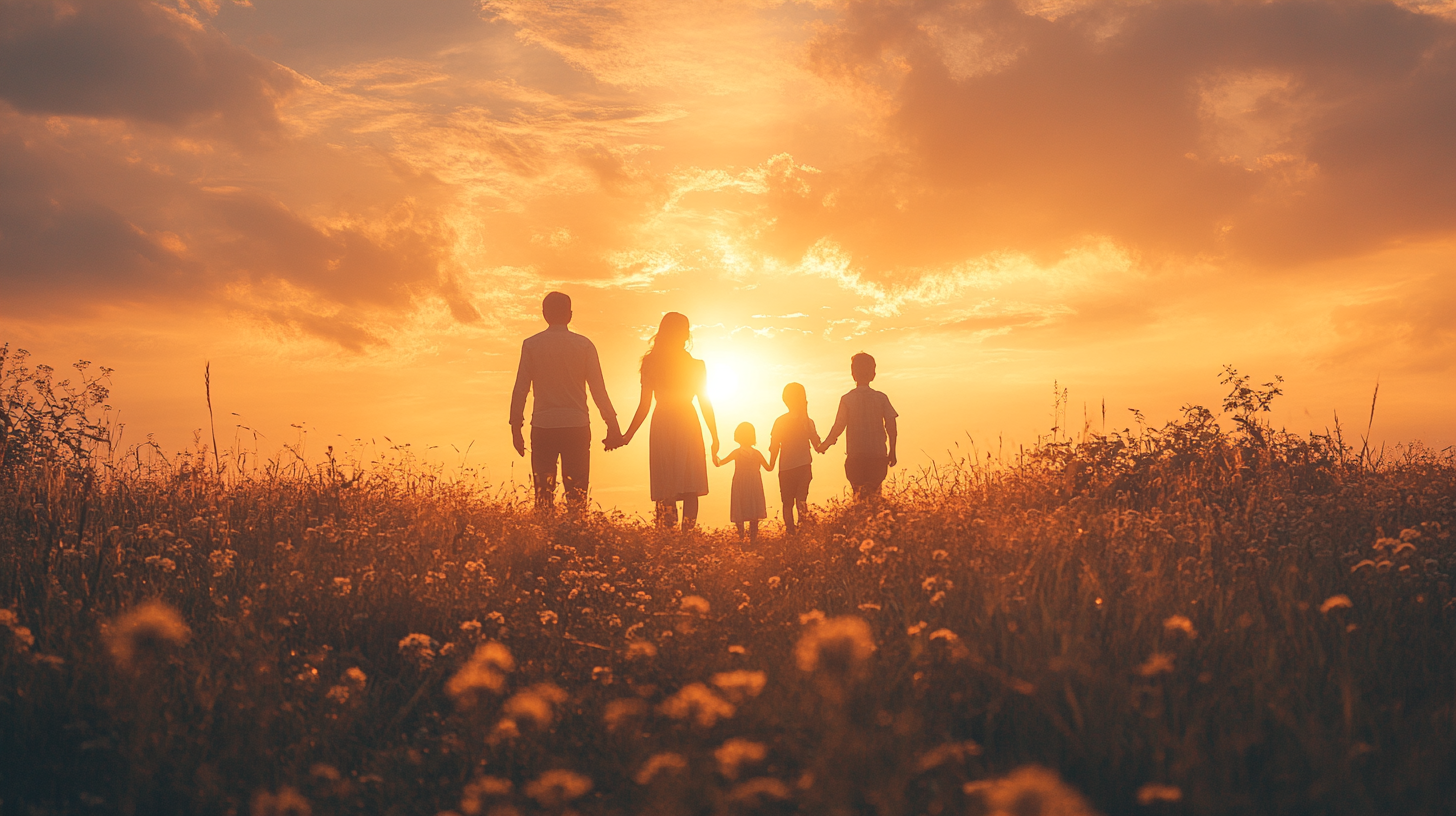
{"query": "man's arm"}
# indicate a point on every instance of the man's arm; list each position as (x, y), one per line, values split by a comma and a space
(598, 387)
(891, 430)
(518, 401)
(774, 443)
(840, 420)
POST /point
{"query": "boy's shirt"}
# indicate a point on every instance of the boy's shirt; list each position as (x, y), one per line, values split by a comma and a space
(791, 434)
(863, 412)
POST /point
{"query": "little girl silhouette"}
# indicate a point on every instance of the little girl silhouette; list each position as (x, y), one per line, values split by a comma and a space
(748, 503)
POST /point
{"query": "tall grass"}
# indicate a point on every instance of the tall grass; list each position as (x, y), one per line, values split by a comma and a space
(1184, 619)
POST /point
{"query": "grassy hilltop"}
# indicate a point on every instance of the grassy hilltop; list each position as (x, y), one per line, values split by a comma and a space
(1189, 619)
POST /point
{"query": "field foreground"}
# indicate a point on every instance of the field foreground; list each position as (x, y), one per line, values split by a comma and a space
(1180, 620)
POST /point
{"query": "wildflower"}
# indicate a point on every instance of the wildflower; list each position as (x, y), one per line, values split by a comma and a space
(1157, 663)
(954, 648)
(555, 788)
(839, 646)
(812, 616)
(1180, 623)
(418, 649)
(869, 607)
(641, 650)
(698, 702)
(1364, 563)
(506, 729)
(619, 712)
(738, 650)
(940, 555)
(1030, 789)
(480, 788)
(658, 763)
(485, 670)
(536, 704)
(764, 787)
(343, 586)
(324, 771)
(470, 627)
(547, 617)
(735, 753)
(695, 604)
(739, 685)
(496, 617)
(947, 752)
(1152, 793)
(866, 545)
(1336, 602)
(355, 677)
(8, 618)
(153, 626)
(221, 561)
(286, 802)
(917, 629)
(774, 581)
(338, 694)
(602, 674)
(163, 564)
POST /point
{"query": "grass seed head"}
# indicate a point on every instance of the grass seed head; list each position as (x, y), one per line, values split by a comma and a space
(152, 627)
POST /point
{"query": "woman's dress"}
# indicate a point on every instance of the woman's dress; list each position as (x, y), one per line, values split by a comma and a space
(677, 462)
(747, 502)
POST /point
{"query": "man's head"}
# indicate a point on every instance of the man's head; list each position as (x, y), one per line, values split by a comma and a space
(795, 397)
(862, 368)
(556, 308)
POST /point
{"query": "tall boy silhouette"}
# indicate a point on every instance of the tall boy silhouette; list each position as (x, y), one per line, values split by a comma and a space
(867, 420)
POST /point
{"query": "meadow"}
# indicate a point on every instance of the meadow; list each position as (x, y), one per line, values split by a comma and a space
(1212, 616)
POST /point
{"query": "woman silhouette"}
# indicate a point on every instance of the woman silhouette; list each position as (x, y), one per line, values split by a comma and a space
(678, 466)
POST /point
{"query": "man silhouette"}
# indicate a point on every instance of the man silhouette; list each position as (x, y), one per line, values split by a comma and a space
(560, 365)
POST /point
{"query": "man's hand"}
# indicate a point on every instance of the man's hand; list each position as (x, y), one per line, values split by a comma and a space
(614, 439)
(518, 439)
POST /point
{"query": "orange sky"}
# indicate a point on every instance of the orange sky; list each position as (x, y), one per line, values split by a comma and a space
(352, 209)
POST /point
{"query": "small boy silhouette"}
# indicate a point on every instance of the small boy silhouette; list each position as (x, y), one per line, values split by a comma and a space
(792, 435)
(747, 504)
(868, 421)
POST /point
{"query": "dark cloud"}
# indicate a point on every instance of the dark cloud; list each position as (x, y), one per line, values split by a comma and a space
(1279, 132)
(135, 60)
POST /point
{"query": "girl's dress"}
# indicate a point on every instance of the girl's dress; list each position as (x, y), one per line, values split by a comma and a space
(748, 503)
(677, 462)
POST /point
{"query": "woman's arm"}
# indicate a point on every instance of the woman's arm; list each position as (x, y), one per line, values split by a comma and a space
(644, 404)
(707, 406)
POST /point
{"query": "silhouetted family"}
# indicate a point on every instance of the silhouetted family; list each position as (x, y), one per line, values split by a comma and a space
(559, 366)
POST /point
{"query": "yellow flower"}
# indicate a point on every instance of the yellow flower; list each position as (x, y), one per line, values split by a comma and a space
(479, 789)
(740, 685)
(695, 604)
(838, 646)
(698, 702)
(1156, 664)
(555, 788)
(286, 802)
(484, 671)
(1180, 623)
(150, 627)
(658, 763)
(536, 704)
(419, 649)
(735, 753)
(1153, 793)
(1336, 602)
(1030, 790)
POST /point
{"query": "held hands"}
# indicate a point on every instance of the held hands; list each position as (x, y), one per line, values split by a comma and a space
(518, 439)
(614, 439)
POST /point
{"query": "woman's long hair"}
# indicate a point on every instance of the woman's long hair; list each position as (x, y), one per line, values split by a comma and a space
(673, 334)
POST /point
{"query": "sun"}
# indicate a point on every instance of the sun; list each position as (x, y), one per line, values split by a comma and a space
(723, 381)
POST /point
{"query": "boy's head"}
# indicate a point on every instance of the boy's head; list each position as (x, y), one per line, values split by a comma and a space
(744, 434)
(556, 308)
(795, 397)
(862, 368)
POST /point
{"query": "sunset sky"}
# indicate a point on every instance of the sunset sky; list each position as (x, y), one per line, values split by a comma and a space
(352, 209)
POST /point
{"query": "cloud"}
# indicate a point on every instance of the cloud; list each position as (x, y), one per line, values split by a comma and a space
(135, 60)
(1278, 132)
